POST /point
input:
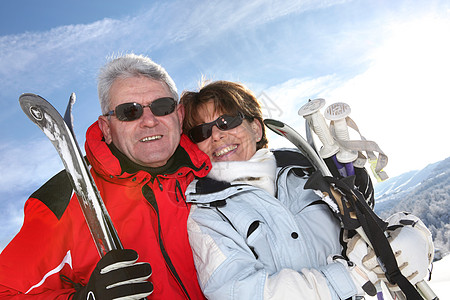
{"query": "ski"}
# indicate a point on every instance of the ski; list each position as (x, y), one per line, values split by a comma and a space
(61, 134)
(295, 138)
(280, 128)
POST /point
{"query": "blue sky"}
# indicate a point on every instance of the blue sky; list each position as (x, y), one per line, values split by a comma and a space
(387, 59)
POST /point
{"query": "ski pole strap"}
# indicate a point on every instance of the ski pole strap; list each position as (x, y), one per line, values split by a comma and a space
(355, 212)
(370, 147)
(374, 228)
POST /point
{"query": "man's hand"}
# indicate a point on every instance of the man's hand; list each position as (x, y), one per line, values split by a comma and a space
(118, 276)
(412, 245)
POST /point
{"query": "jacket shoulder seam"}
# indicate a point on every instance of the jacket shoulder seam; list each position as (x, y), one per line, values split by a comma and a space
(55, 193)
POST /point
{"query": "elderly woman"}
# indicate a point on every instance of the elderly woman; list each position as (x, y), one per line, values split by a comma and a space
(254, 231)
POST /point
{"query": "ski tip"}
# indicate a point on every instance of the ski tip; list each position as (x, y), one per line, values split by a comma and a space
(25, 96)
(26, 101)
(272, 122)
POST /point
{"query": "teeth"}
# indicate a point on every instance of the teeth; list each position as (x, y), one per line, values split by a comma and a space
(151, 138)
(225, 150)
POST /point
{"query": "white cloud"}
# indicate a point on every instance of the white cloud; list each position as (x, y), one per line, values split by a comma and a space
(401, 101)
(282, 102)
(55, 58)
(10, 222)
(48, 60)
(28, 164)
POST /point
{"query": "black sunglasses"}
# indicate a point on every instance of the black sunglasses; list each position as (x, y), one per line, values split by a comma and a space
(132, 111)
(225, 122)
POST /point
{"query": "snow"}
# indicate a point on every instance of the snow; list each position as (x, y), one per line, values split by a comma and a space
(440, 279)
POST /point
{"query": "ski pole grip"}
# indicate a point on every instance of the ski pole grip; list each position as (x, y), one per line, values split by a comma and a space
(311, 112)
(337, 112)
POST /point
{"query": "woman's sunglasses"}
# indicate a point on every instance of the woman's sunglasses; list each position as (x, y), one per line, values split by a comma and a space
(225, 122)
(132, 111)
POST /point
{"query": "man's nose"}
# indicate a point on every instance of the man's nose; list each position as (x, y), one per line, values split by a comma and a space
(148, 118)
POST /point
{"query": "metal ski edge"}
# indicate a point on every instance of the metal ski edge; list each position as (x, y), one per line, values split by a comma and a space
(47, 118)
(294, 137)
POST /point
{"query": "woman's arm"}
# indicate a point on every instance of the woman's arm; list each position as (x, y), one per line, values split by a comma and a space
(228, 269)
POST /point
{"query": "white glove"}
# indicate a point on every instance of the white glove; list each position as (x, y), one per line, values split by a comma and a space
(411, 242)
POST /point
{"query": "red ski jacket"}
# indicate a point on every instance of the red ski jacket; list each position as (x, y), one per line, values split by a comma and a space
(54, 247)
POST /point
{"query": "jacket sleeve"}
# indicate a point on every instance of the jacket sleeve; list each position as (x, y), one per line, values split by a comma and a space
(227, 268)
(31, 265)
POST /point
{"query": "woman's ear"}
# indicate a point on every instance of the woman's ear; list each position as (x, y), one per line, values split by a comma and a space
(257, 129)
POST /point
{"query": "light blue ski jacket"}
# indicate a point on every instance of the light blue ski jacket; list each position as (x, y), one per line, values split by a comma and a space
(248, 244)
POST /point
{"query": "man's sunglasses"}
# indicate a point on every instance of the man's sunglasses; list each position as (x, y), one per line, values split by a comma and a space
(132, 111)
(225, 122)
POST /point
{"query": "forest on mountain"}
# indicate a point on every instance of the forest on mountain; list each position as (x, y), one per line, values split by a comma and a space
(429, 200)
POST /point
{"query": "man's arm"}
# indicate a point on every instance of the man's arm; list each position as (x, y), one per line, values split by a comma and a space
(32, 262)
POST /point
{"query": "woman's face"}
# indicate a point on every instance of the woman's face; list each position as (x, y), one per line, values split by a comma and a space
(237, 144)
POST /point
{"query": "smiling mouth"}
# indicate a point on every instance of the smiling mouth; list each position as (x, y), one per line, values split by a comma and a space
(151, 138)
(225, 150)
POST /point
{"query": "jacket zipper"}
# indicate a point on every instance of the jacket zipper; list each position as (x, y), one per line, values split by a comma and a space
(150, 196)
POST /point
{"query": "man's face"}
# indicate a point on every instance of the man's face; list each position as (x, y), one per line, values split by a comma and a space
(150, 140)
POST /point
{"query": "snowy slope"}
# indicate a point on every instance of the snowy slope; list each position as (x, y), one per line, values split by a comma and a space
(440, 279)
(403, 183)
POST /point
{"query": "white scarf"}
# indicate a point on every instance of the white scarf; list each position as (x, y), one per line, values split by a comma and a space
(258, 171)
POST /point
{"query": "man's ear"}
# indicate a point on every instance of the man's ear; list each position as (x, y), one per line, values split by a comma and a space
(103, 123)
(180, 113)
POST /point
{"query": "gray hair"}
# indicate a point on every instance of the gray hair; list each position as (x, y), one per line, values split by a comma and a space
(127, 66)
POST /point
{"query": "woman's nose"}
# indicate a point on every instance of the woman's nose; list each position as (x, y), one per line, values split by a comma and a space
(217, 134)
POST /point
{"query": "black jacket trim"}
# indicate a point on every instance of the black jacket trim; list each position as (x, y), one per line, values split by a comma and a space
(289, 157)
(55, 193)
(207, 185)
(283, 158)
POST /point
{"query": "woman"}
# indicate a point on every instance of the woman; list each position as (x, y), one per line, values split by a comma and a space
(255, 232)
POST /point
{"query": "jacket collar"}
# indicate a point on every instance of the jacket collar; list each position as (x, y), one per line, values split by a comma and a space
(109, 162)
(286, 159)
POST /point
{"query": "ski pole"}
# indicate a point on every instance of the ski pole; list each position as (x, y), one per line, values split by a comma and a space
(311, 112)
(342, 158)
(284, 130)
(336, 113)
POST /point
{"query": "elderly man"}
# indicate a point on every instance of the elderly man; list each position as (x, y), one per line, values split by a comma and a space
(141, 164)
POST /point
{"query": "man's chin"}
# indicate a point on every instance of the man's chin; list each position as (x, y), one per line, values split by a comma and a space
(154, 158)
(155, 154)
(154, 162)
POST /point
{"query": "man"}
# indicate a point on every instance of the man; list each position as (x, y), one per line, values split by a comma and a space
(141, 164)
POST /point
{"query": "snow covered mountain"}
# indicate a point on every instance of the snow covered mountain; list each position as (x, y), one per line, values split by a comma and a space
(425, 193)
(404, 183)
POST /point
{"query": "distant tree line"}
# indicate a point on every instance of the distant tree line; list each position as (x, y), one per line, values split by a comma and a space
(430, 201)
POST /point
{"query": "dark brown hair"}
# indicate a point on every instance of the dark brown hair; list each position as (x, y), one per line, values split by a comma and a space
(229, 98)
